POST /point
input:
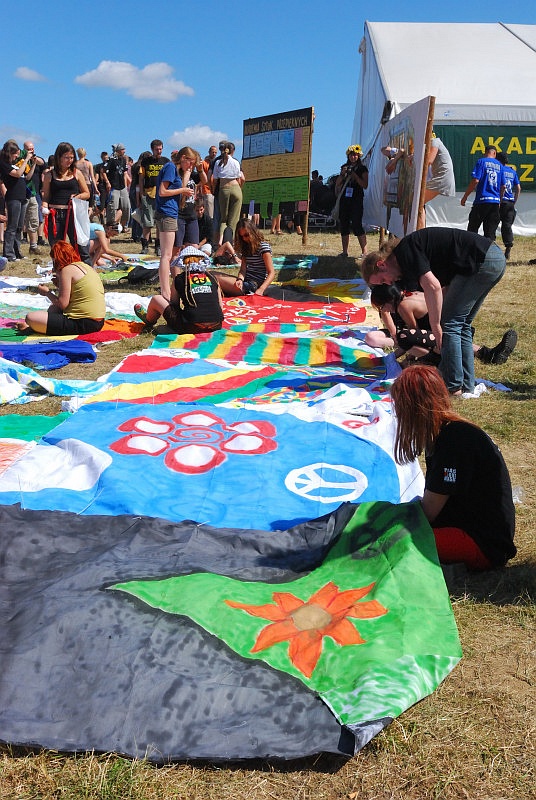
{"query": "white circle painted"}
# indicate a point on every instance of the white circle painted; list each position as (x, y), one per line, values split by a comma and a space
(327, 483)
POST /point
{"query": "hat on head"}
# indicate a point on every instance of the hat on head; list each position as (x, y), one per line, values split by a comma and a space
(354, 148)
(120, 147)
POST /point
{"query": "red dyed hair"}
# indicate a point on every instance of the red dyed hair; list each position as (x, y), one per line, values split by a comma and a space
(63, 253)
(422, 404)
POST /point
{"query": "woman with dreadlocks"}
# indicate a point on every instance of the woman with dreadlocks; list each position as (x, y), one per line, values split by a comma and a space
(196, 300)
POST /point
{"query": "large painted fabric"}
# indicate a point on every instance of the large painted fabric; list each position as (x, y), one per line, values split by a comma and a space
(165, 641)
(259, 309)
(347, 291)
(112, 331)
(49, 355)
(275, 348)
(21, 384)
(220, 466)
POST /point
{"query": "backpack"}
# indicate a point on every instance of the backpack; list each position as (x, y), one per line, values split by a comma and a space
(140, 274)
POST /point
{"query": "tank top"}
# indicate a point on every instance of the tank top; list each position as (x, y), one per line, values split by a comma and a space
(62, 191)
(87, 296)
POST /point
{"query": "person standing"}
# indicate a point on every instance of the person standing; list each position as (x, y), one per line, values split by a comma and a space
(33, 186)
(102, 184)
(510, 192)
(487, 181)
(14, 172)
(208, 197)
(117, 182)
(150, 168)
(433, 258)
(440, 178)
(228, 179)
(350, 186)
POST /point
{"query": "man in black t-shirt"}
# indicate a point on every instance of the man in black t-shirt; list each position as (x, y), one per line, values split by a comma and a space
(150, 168)
(117, 182)
(432, 259)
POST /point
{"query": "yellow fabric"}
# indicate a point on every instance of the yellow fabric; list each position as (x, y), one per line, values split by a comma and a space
(87, 296)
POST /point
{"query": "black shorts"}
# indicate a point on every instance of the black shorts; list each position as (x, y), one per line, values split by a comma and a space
(60, 325)
(174, 317)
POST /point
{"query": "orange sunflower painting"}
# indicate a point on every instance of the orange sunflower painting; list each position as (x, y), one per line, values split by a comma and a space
(304, 624)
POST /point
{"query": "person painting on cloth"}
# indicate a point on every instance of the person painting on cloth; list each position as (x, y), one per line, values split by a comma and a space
(434, 258)
(78, 307)
(407, 329)
(468, 494)
(195, 305)
(256, 266)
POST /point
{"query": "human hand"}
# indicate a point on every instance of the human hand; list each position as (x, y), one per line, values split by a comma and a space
(43, 289)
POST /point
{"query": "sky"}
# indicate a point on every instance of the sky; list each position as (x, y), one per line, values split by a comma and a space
(95, 74)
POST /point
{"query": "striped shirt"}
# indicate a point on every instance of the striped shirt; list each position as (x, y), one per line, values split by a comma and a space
(255, 267)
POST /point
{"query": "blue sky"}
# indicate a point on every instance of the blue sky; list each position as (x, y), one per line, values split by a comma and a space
(189, 73)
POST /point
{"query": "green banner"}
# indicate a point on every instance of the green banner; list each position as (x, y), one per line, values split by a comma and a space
(466, 144)
(370, 629)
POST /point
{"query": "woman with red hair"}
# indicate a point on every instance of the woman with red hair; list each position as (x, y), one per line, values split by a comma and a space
(468, 495)
(78, 307)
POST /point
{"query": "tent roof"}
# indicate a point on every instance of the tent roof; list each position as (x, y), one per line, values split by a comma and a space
(466, 66)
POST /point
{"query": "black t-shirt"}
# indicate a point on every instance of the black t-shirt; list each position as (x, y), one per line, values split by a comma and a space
(203, 288)
(468, 466)
(116, 169)
(359, 169)
(444, 251)
(15, 187)
(205, 228)
(151, 167)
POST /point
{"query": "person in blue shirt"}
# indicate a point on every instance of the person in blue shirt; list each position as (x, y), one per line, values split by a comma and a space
(487, 181)
(510, 191)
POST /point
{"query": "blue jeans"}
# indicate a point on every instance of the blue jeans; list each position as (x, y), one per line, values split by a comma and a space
(462, 301)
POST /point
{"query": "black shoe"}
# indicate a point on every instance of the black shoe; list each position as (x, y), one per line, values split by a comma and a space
(157, 250)
(41, 242)
(502, 351)
(507, 252)
(144, 247)
(484, 354)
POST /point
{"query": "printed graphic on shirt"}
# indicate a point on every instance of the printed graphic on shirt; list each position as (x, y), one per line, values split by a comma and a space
(449, 474)
(199, 283)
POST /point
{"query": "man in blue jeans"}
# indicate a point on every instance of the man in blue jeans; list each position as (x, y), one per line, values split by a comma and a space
(433, 259)
(487, 180)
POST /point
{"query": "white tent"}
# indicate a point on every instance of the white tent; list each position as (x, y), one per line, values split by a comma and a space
(483, 79)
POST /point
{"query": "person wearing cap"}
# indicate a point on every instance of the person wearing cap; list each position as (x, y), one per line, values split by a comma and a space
(350, 188)
(196, 299)
(117, 182)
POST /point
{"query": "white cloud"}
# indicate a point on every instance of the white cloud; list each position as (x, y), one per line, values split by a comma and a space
(198, 136)
(152, 82)
(27, 74)
(18, 134)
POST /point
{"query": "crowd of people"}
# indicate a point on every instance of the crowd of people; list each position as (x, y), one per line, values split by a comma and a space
(427, 286)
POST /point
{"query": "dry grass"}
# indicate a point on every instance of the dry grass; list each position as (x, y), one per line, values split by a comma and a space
(474, 738)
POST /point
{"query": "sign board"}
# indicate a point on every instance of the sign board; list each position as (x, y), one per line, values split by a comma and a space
(276, 161)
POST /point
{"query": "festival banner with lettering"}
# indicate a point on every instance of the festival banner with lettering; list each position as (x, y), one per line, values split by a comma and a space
(466, 144)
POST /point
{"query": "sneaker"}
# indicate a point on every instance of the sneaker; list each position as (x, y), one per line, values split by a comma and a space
(141, 313)
(502, 351)
(41, 242)
(157, 250)
(342, 255)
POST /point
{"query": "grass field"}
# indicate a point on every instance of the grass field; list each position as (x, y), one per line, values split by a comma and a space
(475, 737)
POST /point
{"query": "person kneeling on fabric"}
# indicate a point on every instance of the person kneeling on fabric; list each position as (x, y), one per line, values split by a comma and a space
(407, 329)
(196, 299)
(468, 495)
(78, 307)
